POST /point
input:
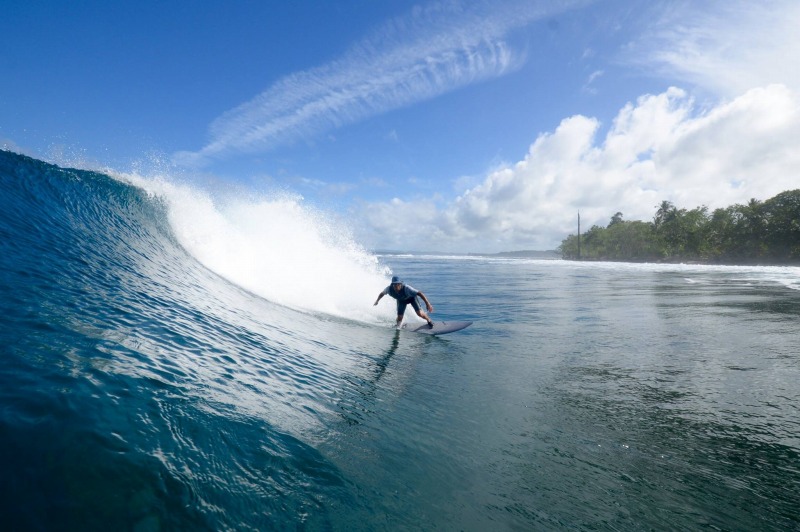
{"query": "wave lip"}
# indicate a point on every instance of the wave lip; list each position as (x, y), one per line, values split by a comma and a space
(277, 248)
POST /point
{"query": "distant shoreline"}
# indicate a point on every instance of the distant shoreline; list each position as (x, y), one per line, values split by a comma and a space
(555, 255)
(521, 254)
(694, 261)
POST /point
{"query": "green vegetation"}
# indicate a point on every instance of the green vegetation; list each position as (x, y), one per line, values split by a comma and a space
(759, 232)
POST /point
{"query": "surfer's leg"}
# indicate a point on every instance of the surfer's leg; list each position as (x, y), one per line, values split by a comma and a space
(425, 317)
(401, 310)
(421, 313)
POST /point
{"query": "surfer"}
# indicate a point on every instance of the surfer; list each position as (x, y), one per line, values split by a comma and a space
(406, 295)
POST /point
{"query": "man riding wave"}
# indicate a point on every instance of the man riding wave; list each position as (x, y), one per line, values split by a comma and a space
(406, 295)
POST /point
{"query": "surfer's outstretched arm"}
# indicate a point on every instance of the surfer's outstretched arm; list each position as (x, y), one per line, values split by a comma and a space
(379, 298)
(425, 299)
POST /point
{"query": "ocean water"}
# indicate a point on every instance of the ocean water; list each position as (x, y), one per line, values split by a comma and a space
(173, 361)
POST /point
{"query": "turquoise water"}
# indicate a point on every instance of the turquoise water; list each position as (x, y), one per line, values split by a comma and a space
(164, 370)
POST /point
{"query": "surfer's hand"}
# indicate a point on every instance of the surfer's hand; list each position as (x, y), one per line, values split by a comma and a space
(430, 308)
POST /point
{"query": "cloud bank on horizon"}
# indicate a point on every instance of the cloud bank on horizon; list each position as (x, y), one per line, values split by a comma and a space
(661, 147)
(658, 148)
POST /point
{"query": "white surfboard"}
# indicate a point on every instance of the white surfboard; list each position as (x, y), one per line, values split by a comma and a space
(439, 327)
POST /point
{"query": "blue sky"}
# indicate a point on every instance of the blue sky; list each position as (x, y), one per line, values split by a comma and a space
(454, 126)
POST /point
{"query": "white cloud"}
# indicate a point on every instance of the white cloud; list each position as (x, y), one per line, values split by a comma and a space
(659, 148)
(662, 147)
(432, 51)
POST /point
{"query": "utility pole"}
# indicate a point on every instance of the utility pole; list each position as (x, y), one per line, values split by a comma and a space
(579, 235)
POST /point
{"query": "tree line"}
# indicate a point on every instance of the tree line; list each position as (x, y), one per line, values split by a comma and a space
(758, 232)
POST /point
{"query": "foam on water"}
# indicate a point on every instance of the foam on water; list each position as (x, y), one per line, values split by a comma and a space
(787, 276)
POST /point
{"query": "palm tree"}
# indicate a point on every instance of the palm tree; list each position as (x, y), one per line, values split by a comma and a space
(665, 212)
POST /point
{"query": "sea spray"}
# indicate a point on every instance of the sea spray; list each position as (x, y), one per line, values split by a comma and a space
(276, 247)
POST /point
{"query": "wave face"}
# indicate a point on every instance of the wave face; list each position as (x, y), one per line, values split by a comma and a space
(165, 360)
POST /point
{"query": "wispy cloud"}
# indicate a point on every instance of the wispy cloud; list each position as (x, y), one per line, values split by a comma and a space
(431, 51)
(589, 86)
(724, 46)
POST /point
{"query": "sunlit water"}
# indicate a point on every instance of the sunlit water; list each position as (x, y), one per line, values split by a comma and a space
(151, 380)
(623, 396)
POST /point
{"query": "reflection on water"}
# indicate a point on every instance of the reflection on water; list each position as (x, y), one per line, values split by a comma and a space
(383, 362)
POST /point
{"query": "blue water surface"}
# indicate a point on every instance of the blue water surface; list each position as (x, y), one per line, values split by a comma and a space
(141, 391)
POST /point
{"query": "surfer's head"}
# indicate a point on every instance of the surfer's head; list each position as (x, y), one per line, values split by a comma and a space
(396, 281)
